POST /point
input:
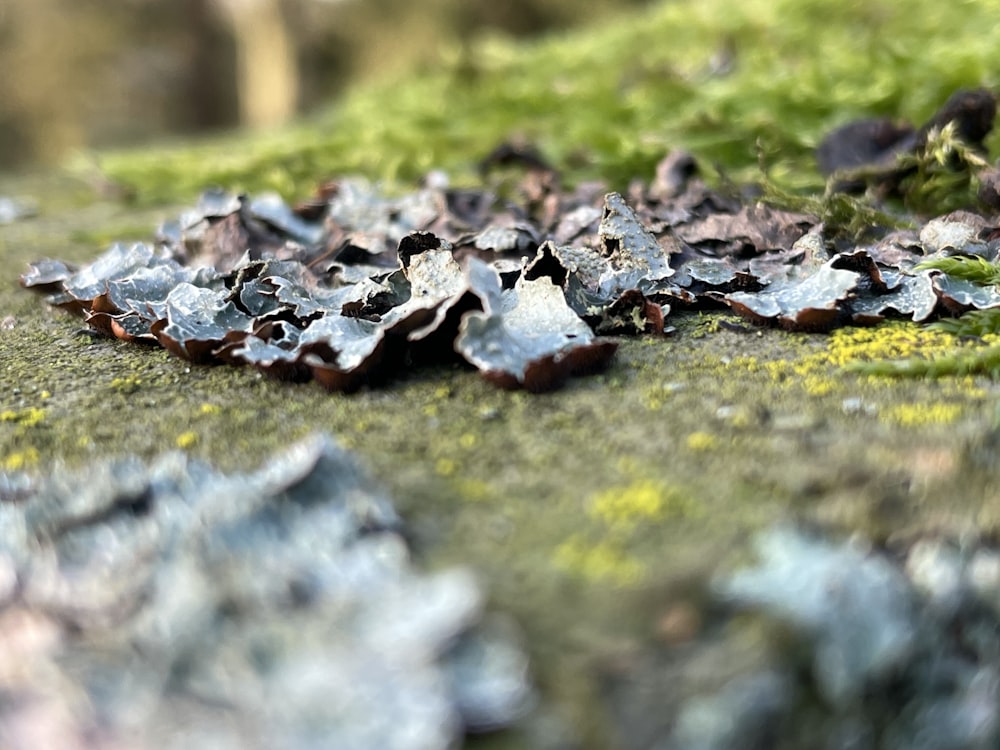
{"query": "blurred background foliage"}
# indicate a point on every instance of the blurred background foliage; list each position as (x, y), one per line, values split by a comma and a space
(98, 73)
(391, 89)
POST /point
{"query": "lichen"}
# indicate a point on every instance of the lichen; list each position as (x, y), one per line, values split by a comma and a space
(920, 414)
(607, 561)
(820, 371)
(620, 514)
(25, 418)
(701, 441)
(20, 460)
(533, 456)
(622, 508)
(445, 467)
(187, 439)
(892, 340)
(127, 384)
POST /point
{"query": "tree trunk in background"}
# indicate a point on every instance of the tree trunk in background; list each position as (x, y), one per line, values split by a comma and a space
(38, 113)
(267, 70)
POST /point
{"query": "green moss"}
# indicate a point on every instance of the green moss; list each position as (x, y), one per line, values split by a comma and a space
(944, 350)
(976, 269)
(611, 101)
(839, 212)
(959, 362)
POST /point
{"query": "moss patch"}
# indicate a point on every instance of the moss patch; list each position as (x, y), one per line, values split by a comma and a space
(733, 82)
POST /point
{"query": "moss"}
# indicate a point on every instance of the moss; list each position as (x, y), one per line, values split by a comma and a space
(608, 102)
(970, 268)
(942, 351)
(819, 371)
(945, 174)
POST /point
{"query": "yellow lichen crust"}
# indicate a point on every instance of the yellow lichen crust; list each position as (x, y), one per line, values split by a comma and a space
(186, 440)
(445, 467)
(915, 415)
(25, 418)
(643, 500)
(19, 460)
(620, 514)
(606, 561)
(894, 340)
(826, 371)
(127, 384)
(701, 441)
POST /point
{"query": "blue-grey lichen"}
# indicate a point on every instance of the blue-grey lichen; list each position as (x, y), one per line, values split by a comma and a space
(183, 607)
(832, 644)
(804, 581)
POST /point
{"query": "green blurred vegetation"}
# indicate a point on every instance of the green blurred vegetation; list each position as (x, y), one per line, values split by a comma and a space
(79, 73)
(741, 84)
